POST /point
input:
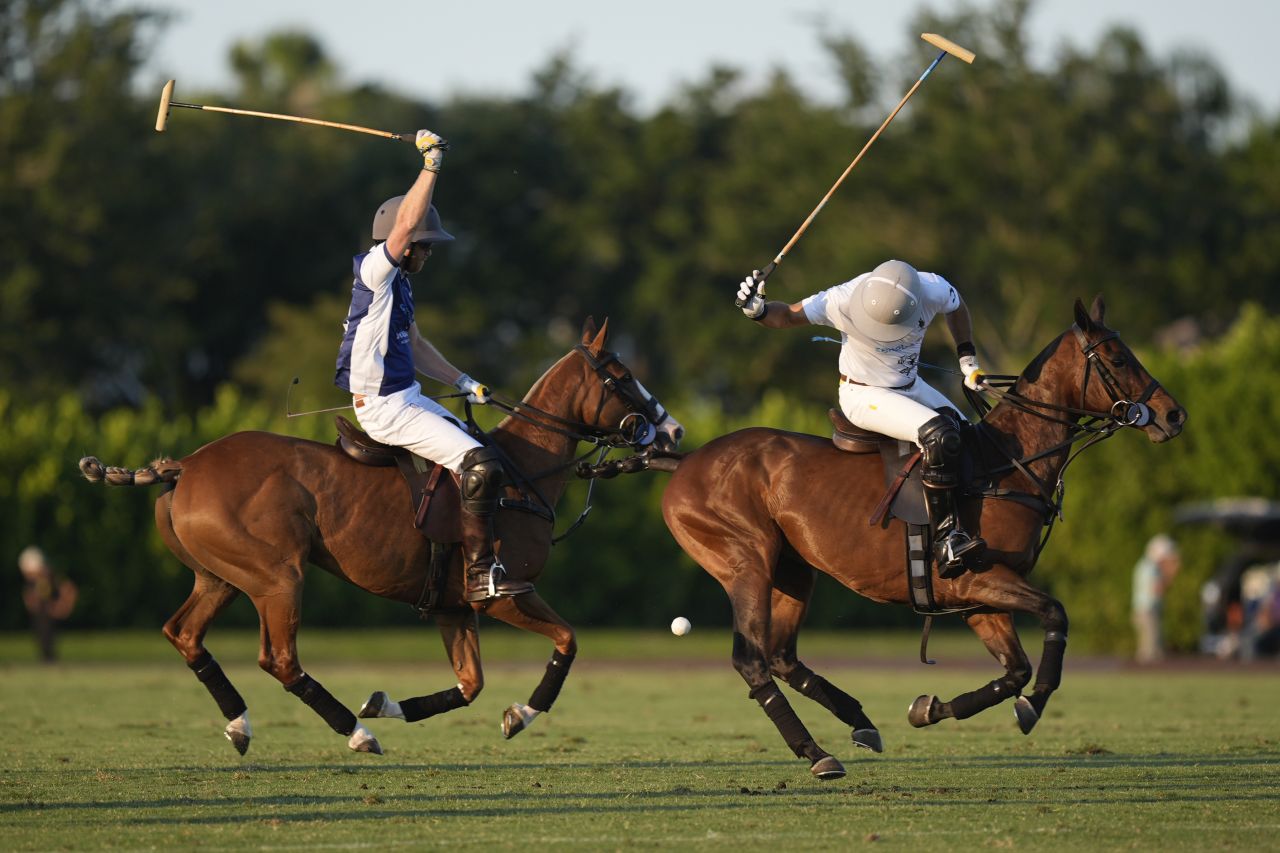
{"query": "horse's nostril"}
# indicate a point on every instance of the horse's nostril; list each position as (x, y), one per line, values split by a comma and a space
(1175, 417)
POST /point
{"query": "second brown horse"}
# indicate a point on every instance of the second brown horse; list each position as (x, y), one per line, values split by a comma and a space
(760, 509)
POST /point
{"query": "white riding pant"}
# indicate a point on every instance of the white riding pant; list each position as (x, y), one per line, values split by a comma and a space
(410, 420)
(893, 412)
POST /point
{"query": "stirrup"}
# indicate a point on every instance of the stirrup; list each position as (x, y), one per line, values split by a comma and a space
(950, 552)
(497, 571)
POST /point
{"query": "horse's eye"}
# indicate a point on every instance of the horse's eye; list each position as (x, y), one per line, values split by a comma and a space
(1119, 361)
(626, 377)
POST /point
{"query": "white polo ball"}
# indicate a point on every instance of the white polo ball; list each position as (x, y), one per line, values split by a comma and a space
(681, 626)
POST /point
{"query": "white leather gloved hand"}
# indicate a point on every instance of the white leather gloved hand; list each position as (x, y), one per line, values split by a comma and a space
(476, 392)
(752, 296)
(432, 148)
(974, 378)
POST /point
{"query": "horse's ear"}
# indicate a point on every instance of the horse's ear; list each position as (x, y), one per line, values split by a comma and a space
(588, 330)
(1099, 310)
(598, 344)
(1082, 318)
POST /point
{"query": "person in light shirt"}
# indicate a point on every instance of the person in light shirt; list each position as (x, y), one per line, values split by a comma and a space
(882, 317)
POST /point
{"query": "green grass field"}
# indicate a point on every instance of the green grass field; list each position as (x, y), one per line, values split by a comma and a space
(653, 744)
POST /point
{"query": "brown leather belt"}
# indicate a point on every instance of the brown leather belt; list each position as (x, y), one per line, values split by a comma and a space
(844, 378)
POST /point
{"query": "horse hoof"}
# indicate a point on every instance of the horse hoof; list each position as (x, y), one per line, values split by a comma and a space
(239, 733)
(1026, 714)
(373, 706)
(362, 740)
(868, 739)
(827, 768)
(921, 712)
(515, 720)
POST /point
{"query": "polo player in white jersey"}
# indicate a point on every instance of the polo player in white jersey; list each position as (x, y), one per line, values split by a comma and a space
(882, 317)
(382, 346)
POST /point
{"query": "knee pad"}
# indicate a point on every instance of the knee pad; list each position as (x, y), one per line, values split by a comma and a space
(481, 479)
(940, 440)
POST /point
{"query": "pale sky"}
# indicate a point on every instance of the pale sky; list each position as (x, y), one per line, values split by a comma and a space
(432, 50)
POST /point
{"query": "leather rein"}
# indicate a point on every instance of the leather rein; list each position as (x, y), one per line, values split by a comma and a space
(636, 430)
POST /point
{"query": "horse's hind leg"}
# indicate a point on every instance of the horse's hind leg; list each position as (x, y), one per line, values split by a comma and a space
(462, 642)
(278, 655)
(792, 589)
(530, 612)
(186, 629)
(997, 633)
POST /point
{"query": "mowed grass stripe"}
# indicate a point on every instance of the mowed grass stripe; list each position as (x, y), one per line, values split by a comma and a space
(667, 755)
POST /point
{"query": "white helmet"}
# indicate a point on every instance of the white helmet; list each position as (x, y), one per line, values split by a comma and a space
(886, 305)
(429, 230)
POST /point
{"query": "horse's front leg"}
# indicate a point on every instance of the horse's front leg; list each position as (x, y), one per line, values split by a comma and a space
(529, 612)
(460, 632)
(1001, 639)
(1006, 591)
(793, 587)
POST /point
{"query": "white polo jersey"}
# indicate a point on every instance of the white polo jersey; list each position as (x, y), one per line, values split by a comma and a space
(870, 362)
(376, 356)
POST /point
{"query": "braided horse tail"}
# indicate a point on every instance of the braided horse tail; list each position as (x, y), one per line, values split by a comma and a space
(162, 470)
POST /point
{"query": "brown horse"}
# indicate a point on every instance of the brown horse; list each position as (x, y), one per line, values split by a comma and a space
(760, 509)
(248, 512)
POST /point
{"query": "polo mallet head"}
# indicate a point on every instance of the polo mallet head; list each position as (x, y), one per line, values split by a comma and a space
(949, 46)
(166, 95)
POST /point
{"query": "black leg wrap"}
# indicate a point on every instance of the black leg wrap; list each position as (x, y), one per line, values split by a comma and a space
(968, 704)
(1049, 676)
(784, 717)
(212, 677)
(544, 695)
(322, 702)
(421, 707)
(813, 686)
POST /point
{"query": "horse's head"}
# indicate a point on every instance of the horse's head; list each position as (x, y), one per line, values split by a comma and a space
(1113, 381)
(615, 402)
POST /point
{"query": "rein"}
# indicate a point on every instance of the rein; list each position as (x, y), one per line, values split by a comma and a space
(635, 430)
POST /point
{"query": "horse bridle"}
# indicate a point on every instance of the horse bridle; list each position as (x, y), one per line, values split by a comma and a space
(1125, 411)
(636, 430)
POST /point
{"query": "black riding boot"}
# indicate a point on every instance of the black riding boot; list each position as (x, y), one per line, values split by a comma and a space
(481, 480)
(940, 441)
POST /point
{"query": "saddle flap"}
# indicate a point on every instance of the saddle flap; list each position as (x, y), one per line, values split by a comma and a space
(853, 439)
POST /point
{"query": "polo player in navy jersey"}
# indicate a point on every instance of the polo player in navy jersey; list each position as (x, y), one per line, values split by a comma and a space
(381, 349)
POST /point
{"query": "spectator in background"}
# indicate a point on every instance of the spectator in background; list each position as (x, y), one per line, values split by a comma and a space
(48, 599)
(1151, 578)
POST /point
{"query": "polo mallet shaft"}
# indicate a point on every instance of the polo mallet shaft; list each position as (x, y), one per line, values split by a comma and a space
(946, 46)
(166, 102)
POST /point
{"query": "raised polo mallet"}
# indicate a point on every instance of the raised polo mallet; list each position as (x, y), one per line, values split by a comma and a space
(947, 47)
(167, 101)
